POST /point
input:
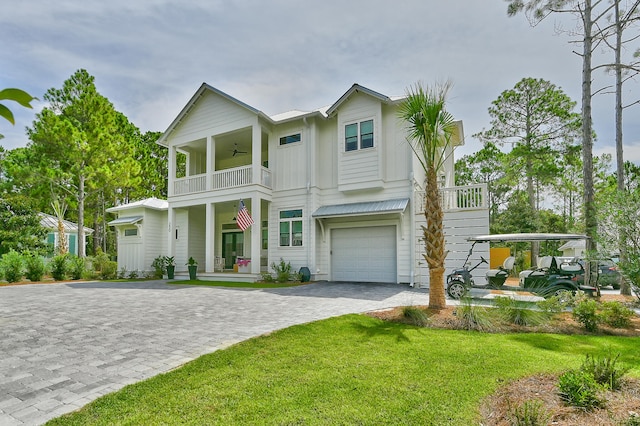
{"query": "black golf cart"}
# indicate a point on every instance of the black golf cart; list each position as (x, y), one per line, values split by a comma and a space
(550, 277)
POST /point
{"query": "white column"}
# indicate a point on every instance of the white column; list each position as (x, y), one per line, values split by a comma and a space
(171, 169)
(211, 161)
(256, 153)
(210, 245)
(256, 236)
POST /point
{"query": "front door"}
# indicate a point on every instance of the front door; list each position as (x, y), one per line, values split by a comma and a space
(232, 247)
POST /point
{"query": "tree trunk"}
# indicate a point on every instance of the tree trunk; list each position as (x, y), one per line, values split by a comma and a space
(590, 220)
(434, 241)
(81, 197)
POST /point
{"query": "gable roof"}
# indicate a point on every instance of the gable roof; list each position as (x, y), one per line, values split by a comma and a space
(356, 88)
(324, 112)
(149, 203)
(50, 223)
(194, 99)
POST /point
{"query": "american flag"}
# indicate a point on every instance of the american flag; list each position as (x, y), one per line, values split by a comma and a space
(243, 219)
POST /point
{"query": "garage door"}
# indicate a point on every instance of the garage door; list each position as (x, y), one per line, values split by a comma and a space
(364, 254)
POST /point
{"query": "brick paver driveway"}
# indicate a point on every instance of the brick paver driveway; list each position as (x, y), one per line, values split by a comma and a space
(63, 345)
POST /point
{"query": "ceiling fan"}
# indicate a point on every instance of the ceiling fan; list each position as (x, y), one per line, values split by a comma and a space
(236, 150)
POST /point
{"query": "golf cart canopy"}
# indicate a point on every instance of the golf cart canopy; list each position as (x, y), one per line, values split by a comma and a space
(524, 237)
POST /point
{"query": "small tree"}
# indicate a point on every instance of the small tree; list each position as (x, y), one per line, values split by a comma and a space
(430, 130)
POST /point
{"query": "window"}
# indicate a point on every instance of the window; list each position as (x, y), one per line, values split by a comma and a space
(131, 232)
(358, 135)
(291, 228)
(285, 140)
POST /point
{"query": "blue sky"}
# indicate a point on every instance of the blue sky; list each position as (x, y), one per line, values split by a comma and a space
(149, 57)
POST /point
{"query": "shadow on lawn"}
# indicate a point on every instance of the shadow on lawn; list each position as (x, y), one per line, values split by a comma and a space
(382, 328)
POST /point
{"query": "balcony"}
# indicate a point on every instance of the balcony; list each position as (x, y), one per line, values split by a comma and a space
(457, 198)
(221, 179)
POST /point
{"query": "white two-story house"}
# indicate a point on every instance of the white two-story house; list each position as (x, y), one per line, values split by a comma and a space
(337, 190)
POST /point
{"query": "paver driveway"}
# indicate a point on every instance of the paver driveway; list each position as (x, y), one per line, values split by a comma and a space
(63, 345)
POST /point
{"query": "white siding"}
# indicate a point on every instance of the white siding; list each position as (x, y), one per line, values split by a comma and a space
(212, 114)
(360, 169)
(459, 225)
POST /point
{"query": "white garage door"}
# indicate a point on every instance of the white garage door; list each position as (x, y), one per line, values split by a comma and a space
(364, 254)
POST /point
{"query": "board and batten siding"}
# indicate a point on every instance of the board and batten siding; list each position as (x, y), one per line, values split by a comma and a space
(212, 114)
(360, 169)
(154, 234)
(291, 160)
(458, 226)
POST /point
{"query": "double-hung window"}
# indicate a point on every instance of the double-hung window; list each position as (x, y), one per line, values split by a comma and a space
(358, 135)
(291, 228)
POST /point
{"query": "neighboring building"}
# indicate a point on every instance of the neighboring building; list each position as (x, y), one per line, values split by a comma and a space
(141, 233)
(573, 248)
(337, 190)
(50, 223)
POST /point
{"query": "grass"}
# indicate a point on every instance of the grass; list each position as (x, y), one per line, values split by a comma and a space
(235, 284)
(347, 370)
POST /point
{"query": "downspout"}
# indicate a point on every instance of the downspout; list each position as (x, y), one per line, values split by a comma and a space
(309, 218)
(412, 231)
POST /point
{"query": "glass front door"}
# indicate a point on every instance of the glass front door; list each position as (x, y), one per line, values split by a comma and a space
(232, 247)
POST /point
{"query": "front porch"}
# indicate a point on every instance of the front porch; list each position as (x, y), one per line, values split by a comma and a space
(210, 233)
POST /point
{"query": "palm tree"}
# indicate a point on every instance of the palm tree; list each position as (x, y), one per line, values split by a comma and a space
(430, 129)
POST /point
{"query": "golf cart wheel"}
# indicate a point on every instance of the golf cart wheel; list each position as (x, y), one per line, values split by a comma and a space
(456, 290)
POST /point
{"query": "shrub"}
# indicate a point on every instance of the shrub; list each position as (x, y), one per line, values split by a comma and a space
(133, 275)
(552, 305)
(282, 270)
(58, 265)
(529, 413)
(268, 278)
(579, 388)
(615, 314)
(99, 261)
(34, 266)
(12, 266)
(605, 370)
(159, 267)
(76, 267)
(109, 270)
(472, 317)
(518, 313)
(415, 315)
(122, 274)
(585, 312)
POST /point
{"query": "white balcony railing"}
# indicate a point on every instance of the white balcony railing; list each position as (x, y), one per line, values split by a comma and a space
(190, 184)
(470, 197)
(221, 179)
(231, 178)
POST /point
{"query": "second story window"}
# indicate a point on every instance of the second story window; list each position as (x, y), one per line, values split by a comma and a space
(358, 135)
(285, 140)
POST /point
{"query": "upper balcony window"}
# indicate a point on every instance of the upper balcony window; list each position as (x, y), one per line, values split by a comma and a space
(285, 140)
(358, 135)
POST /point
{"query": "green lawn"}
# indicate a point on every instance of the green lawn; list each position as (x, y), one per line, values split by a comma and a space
(343, 371)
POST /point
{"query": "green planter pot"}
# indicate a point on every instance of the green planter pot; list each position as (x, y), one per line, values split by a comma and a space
(171, 271)
(193, 269)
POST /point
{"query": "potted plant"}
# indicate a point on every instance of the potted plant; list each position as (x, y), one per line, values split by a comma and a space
(192, 264)
(243, 265)
(170, 265)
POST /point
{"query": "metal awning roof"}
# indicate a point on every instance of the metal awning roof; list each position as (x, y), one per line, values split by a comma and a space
(127, 220)
(364, 208)
(524, 237)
